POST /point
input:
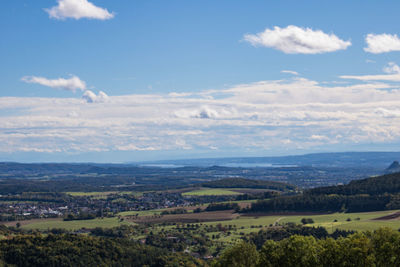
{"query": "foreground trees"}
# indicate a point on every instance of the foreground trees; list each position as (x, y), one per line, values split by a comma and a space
(242, 254)
(380, 248)
(81, 250)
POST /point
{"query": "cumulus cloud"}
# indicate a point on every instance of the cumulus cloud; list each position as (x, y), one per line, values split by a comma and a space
(290, 72)
(206, 112)
(91, 97)
(78, 9)
(297, 40)
(382, 43)
(71, 84)
(391, 68)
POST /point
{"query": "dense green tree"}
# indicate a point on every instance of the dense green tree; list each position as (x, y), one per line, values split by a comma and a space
(271, 254)
(378, 248)
(242, 254)
(387, 247)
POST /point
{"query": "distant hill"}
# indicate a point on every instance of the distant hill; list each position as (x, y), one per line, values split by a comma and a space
(249, 183)
(389, 183)
(394, 167)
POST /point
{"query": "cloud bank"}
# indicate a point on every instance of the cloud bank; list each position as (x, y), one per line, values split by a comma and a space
(72, 84)
(382, 43)
(296, 40)
(78, 9)
(273, 115)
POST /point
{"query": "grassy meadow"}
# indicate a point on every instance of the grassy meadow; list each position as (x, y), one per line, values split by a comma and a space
(101, 194)
(212, 192)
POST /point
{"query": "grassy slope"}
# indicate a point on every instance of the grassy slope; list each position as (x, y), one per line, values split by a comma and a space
(247, 225)
(365, 222)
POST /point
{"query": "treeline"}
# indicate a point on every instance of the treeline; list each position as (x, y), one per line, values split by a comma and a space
(222, 206)
(81, 216)
(81, 250)
(380, 248)
(325, 203)
(174, 211)
(249, 183)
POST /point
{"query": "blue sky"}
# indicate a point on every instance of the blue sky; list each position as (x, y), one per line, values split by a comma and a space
(116, 81)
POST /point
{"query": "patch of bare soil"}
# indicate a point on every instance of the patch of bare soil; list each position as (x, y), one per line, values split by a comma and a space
(392, 216)
(259, 214)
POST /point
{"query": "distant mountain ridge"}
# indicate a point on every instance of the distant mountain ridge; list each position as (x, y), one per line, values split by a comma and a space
(340, 159)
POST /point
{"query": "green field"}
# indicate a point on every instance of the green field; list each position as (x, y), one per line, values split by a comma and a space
(358, 221)
(142, 212)
(89, 194)
(76, 225)
(212, 192)
(101, 195)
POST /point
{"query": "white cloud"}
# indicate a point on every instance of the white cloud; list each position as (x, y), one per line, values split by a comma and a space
(380, 77)
(296, 40)
(273, 115)
(391, 68)
(78, 9)
(382, 43)
(319, 137)
(290, 72)
(71, 84)
(91, 97)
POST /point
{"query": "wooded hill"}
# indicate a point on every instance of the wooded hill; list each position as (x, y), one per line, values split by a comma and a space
(371, 194)
(379, 185)
(249, 183)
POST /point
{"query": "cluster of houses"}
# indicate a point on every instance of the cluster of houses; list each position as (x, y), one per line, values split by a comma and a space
(111, 204)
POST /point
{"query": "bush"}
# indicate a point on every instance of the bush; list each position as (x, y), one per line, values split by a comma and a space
(307, 221)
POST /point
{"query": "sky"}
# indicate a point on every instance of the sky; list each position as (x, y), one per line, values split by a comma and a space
(124, 81)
